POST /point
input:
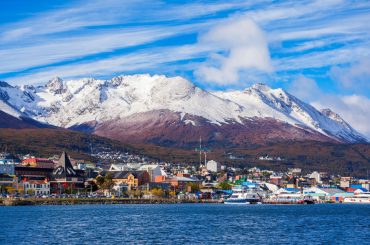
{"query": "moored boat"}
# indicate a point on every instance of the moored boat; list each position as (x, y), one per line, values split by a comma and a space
(361, 198)
(290, 198)
(244, 195)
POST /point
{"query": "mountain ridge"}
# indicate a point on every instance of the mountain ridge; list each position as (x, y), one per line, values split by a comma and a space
(98, 105)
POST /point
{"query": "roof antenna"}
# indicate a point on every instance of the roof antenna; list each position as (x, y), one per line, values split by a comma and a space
(200, 151)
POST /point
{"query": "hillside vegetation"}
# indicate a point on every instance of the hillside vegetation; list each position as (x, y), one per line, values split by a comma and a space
(344, 159)
(47, 142)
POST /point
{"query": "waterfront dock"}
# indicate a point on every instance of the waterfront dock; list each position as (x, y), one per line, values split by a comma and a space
(101, 201)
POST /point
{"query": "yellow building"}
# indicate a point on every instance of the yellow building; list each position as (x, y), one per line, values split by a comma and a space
(133, 179)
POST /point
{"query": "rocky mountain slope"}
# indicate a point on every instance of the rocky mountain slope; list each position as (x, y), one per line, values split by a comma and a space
(174, 112)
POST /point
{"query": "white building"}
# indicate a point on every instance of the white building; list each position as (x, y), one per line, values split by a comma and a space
(36, 187)
(119, 167)
(345, 182)
(322, 193)
(80, 166)
(315, 175)
(294, 171)
(213, 166)
(154, 170)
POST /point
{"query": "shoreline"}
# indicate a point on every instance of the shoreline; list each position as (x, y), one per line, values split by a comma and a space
(101, 201)
(106, 201)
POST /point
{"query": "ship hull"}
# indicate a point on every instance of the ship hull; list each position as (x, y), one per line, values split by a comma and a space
(242, 201)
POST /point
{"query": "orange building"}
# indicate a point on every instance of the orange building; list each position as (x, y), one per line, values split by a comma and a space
(38, 162)
(180, 183)
(159, 179)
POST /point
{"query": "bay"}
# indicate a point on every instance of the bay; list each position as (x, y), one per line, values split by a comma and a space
(186, 224)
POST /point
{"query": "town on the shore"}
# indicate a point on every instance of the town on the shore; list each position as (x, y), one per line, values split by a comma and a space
(131, 176)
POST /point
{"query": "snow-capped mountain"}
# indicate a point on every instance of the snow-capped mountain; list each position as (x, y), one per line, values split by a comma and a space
(11, 117)
(262, 101)
(4, 97)
(146, 108)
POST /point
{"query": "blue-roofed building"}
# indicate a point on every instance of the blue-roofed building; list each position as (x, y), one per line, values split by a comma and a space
(356, 189)
(7, 163)
(249, 184)
(358, 186)
(339, 197)
(292, 190)
(360, 190)
(326, 193)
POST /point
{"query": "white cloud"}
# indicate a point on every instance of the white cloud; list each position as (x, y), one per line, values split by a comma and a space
(320, 58)
(355, 77)
(241, 44)
(286, 10)
(305, 34)
(64, 33)
(97, 13)
(145, 60)
(304, 88)
(62, 49)
(60, 19)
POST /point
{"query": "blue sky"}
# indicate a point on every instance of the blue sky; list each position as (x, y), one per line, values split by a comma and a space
(317, 50)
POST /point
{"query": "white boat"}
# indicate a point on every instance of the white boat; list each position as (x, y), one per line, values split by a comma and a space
(361, 198)
(244, 195)
(290, 198)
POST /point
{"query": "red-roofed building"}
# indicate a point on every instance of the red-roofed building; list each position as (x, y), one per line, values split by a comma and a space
(180, 183)
(276, 180)
(38, 162)
(36, 186)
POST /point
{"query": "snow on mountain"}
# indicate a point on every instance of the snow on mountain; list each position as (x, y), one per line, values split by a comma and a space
(4, 97)
(75, 102)
(342, 129)
(263, 101)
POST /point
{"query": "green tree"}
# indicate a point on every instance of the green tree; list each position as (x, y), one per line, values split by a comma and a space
(158, 192)
(137, 193)
(108, 182)
(105, 183)
(225, 186)
(100, 181)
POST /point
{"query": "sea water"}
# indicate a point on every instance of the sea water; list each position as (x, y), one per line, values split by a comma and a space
(186, 224)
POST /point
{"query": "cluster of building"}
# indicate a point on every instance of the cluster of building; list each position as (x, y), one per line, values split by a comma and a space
(320, 186)
(39, 176)
(58, 175)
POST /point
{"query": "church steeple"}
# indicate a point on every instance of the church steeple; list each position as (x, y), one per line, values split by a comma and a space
(64, 168)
